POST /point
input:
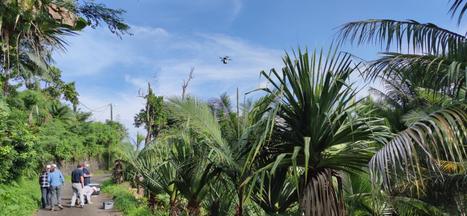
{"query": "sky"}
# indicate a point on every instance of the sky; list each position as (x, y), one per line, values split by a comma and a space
(169, 37)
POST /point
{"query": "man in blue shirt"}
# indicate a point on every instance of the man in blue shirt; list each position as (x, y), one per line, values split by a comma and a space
(87, 174)
(56, 181)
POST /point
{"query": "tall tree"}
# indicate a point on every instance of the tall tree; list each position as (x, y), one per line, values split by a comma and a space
(153, 117)
(317, 133)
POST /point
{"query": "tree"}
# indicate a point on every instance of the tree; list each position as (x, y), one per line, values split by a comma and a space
(434, 68)
(316, 131)
(153, 116)
(31, 30)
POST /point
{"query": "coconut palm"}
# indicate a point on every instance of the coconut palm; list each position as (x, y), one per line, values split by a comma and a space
(435, 64)
(316, 132)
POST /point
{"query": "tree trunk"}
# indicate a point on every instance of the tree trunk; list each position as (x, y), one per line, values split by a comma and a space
(239, 208)
(215, 208)
(174, 210)
(193, 208)
(152, 201)
(319, 197)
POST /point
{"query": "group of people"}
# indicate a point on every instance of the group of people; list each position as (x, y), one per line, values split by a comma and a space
(51, 181)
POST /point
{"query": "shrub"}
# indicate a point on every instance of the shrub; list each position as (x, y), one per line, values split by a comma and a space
(126, 202)
(19, 198)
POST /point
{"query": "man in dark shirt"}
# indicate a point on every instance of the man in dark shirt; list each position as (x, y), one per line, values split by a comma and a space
(87, 175)
(77, 183)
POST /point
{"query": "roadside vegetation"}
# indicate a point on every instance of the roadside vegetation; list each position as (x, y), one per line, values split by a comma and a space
(39, 119)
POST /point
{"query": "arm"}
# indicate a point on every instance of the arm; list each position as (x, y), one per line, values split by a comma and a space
(82, 181)
(87, 173)
(62, 178)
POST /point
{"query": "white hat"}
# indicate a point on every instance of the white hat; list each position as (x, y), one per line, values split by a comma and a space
(54, 165)
(48, 166)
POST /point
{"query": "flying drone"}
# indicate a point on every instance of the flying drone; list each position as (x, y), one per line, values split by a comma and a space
(225, 59)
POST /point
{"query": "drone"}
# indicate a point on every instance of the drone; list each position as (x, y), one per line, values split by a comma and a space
(225, 59)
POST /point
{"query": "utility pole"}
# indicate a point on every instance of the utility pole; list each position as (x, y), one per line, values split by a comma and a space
(111, 112)
(238, 114)
(108, 148)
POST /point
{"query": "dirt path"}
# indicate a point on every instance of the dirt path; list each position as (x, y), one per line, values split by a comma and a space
(94, 209)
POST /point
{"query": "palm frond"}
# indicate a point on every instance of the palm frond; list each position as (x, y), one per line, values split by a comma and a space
(414, 151)
(418, 37)
(458, 7)
(437, 72)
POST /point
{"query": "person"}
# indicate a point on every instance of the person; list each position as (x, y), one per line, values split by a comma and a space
(87, 175)
(56, 180)
(77, 184)
(88, 191)
(45, 186)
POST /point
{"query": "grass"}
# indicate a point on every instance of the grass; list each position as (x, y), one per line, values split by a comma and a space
(20, 198)
(125, 201)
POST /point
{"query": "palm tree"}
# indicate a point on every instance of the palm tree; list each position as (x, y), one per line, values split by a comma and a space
(316, 132)
(31, 30)
(435, 66)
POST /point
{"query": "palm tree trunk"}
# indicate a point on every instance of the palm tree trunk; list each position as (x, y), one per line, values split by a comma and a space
(193, 208)
(239, 209)
(174, 211)
(214, 208)
(152, 201)
(319, 197)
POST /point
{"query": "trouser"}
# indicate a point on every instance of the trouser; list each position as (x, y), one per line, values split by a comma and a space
(88, 197)
(77, 191)
(45, 198)
(55, 195)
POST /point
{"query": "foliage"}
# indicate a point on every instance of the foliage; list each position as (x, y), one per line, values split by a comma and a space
(125, 201)
(153, 117)
(16, 146)
(31, 30)
(20, 197)
(426, 97)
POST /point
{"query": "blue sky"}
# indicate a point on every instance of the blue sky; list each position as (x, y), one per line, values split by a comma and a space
(171, 36)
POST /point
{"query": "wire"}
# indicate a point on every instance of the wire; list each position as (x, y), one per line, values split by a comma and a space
(97, 109)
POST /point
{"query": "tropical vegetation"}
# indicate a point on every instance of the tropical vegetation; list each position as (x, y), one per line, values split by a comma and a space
(307, 144)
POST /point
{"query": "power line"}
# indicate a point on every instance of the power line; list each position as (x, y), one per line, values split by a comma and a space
(97, 109)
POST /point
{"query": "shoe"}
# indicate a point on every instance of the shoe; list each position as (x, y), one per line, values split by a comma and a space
(60, 206)
(52, 209)
(81, 206)
(90, 203)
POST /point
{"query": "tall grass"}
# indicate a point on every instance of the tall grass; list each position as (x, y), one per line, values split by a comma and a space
(20, 198)
(125, 201)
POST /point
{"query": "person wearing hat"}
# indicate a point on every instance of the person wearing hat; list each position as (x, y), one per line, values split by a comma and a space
(56, 181)
(45, 186)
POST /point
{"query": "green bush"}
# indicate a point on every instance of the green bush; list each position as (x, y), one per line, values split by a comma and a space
(19, 198)
(125, 201)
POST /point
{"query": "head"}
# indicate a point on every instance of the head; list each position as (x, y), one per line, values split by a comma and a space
(80, 166)
(47, 168)
(86, 165)
(53, 167)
